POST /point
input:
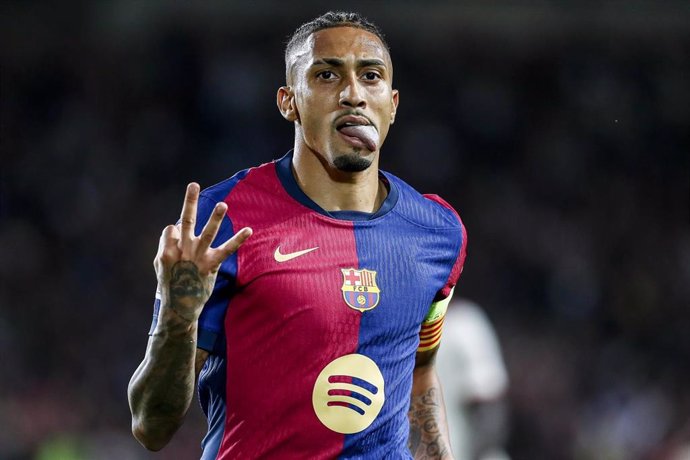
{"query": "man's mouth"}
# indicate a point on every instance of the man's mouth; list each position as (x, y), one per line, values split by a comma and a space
(358, 132)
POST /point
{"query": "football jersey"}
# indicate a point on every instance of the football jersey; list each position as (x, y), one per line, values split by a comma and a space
(314, 322)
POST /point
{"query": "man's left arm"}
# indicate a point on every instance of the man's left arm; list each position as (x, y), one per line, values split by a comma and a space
(429, 438)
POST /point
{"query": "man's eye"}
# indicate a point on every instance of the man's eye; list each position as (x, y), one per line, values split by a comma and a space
(326, 75)
(371, 76)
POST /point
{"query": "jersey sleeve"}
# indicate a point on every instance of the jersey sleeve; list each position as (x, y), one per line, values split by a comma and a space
(432, 325)
(210, 329)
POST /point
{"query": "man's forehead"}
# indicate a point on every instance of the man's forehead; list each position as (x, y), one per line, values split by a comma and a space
(342, 42)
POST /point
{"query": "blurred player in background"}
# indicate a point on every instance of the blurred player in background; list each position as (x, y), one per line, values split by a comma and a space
(313, 320)
(474, 381)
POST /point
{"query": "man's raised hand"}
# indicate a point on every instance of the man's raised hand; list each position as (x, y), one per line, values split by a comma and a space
(186, 265)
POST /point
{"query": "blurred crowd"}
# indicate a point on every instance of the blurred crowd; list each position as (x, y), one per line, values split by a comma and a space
(562, 139)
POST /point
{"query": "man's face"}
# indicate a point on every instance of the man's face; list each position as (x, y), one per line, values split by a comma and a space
(341, 80)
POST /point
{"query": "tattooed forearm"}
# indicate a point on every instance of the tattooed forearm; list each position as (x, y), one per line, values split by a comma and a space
(427, 439)
(162, 388)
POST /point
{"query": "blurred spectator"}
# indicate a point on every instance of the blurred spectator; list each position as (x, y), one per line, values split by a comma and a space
(475, 383)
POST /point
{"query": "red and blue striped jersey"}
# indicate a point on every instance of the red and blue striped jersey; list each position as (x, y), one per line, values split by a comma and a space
(314, 322)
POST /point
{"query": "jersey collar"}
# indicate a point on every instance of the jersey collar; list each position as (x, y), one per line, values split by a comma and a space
(287, 179)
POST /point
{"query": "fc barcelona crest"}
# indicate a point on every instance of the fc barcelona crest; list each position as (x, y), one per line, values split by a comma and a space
(359, 289)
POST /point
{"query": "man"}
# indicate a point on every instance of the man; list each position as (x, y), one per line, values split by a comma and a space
(314, 337)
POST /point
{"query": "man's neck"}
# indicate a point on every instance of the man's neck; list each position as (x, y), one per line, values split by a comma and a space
(335, 190)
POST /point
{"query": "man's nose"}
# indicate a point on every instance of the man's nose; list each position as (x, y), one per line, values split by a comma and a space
(352, 94)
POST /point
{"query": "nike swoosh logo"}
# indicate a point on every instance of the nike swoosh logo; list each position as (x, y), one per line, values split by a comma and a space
(279, 257)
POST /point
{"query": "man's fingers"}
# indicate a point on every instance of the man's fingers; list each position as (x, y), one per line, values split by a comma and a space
(188, 216)
(230, 246)
(208, 234)
(167, 245)
(169, 237)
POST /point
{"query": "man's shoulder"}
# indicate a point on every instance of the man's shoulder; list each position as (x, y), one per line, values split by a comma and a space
(426, 210)
(220, 191)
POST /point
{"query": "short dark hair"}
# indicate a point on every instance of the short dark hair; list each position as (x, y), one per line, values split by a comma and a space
(327, 21)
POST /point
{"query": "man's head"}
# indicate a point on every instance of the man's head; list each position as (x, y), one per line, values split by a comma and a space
(339, 90)
(326, 21)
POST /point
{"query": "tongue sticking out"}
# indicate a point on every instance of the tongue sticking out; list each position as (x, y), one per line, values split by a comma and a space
(367, 134)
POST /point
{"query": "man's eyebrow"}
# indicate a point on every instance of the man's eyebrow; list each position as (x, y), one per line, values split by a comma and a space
(336, 62)
(371, 63)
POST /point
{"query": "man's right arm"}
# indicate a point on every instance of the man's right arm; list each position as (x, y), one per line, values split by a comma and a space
(162, 387)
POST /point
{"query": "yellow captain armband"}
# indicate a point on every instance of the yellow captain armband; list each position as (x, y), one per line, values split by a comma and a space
(432, 326)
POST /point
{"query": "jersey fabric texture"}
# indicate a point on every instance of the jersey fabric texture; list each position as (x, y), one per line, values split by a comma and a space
(314, 322)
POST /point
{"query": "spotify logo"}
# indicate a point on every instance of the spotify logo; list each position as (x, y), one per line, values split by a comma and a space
(348, 394)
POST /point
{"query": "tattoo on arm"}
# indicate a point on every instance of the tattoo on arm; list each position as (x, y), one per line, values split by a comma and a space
(426, 439)
(186, 288)
(162, 388)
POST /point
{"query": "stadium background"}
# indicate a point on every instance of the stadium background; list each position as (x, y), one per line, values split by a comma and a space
(559, 129)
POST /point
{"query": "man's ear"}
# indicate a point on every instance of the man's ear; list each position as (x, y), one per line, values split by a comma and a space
(286, 103)
(395, 99)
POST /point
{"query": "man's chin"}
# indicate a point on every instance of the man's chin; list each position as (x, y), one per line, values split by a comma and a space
(352, 162)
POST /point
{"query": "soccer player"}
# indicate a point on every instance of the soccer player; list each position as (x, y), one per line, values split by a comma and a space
(307, 295)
